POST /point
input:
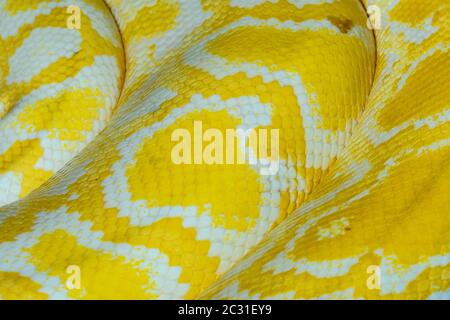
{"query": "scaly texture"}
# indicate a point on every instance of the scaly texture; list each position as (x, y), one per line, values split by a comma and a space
(362, 178)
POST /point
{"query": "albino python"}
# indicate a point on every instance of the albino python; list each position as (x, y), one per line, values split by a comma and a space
(91, 92)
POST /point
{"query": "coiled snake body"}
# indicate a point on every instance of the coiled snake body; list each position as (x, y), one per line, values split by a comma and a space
(87, 178)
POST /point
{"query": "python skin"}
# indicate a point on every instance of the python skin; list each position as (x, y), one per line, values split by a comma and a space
(92, 91)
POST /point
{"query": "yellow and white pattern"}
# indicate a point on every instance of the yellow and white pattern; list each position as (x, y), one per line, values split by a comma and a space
(87, 112)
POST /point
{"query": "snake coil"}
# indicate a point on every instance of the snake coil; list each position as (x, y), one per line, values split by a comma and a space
(93, 94)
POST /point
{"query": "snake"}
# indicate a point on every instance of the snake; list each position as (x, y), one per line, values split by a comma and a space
(95, 204)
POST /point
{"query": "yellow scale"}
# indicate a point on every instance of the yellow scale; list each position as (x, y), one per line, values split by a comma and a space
(94, 206)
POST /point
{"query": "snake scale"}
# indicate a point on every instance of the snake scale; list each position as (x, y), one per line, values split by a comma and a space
(91, 92)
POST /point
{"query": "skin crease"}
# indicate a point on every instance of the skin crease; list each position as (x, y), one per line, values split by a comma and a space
(94, 207)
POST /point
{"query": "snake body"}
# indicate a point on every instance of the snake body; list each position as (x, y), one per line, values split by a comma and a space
(87, 176)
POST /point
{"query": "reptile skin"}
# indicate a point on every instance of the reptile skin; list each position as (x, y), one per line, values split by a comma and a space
(87, 177)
